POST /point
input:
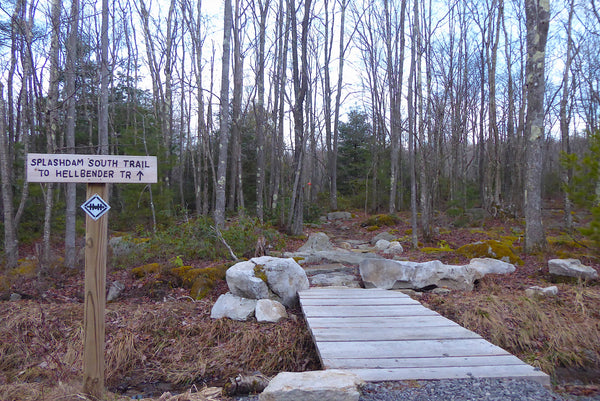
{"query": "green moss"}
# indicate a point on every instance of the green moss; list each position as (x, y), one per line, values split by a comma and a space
(205, 279)
(442, 247)
(490, 249)
(26, 268)
(298, 259)
(143, 271)
(259, 272)
(380, 220)
(372, 228)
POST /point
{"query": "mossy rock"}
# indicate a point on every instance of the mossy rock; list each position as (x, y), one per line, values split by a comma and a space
(206, 278)
(26, 268)
(490, 249)
(143, 271)
(380, 220)
(372, 228)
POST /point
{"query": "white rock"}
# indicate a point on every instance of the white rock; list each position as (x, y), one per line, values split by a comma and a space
(242, 281)
(334, 279)
(324, 385)
(395, 248)
(384, 235)
(233, 307)
(269, 311)
(393, 274)
(114, 291)
(285, 277)
(317, 242)
(382, 244)
(339, 216)
(491, 266)
(571, 268)
(537, 291)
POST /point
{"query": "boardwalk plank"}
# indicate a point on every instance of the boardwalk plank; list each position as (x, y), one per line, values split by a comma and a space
(507, 372)
(372, 301)
(383, 322)
(367, 311)
(393, 334)
(408, 349)
(422, 362)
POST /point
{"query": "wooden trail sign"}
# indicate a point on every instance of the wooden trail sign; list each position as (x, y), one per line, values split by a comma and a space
(96, 171)
(91, 168)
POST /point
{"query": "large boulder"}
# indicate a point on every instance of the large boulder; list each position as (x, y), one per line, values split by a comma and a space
(571, 268)
(319, 249)
(285, 277)
(491, 266)
(233, 307)
(383, 235)
(257, 278)
(392, 274)
(317, 242)
(243, 282)
(339, 216)
(329, 385)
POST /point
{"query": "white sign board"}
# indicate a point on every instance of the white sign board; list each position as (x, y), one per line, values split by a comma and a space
(95, 207)
(91, 168)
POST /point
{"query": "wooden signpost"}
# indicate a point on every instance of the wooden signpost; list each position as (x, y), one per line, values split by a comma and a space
(96, 171)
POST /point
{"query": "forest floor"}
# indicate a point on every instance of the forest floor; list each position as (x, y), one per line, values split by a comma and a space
(159, 339)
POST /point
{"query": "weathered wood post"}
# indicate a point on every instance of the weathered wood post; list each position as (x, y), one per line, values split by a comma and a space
(96, 242)
(97, 171)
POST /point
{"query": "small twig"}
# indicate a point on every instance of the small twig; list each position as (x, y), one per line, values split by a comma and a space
(220, 236)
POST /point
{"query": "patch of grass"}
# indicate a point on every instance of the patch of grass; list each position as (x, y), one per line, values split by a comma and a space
(197, 239)
(547, 332)
(172, 342)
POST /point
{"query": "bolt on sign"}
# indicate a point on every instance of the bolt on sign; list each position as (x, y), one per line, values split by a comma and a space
(96, 171)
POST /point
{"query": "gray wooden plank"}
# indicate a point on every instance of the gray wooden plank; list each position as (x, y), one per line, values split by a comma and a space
(432, 362)
(381, 310)
(507, 372)
(393, 334)
(358, 301)
(383, 322)
(408, 349)
(327, 292)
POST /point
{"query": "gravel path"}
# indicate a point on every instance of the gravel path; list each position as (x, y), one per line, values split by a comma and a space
(459, 390)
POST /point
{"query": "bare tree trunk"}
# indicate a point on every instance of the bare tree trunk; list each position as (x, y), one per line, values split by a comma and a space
(538, 18)
(565, 118)
(259, 109)
(11, 245)
(494, 167)
(395, 60)
(412, 132)
(300, 75)
(225, 119)
(236, 194)
(71, 196)
(51, 125)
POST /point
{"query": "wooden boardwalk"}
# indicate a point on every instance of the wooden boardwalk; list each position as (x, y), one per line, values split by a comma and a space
(386, 335)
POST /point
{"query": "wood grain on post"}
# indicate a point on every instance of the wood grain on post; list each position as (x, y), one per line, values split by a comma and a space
(95, 297)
